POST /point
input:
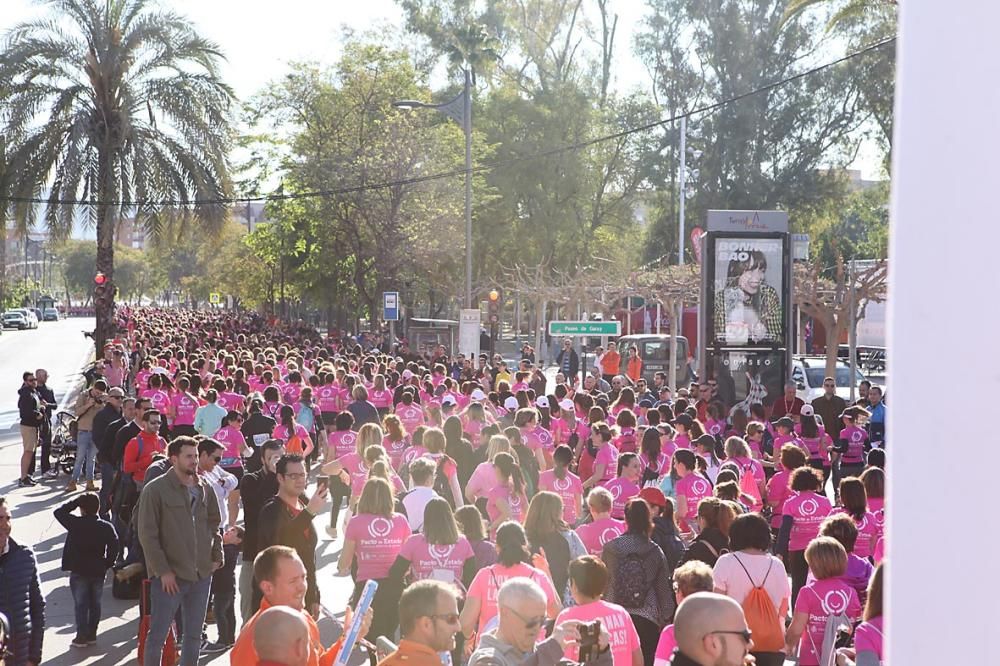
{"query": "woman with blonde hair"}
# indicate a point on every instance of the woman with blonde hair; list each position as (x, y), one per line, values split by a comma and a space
(435, 443)
(483, 478)
(353, 467)
(396, 440)
(548, 533)
(372, 540)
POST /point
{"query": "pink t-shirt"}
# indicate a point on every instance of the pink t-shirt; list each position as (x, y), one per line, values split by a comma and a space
(184, 407)
(570, 489)
(291, 393)
(815, 448)
(622, 490)
(158, 400)
(868, 637)
(693, 488)
(537, 438)
(715, 428)
(682, 440)
(876, 504)
(608, 455)
(488, 581)
(625, 442)
(326, 398)
(378, 541)
(443, 563)
(411, 416)
(856, 438)
(395, 448)
(778, 491)
(594, 535)
(869, 532)
(281, 432)
(819, 600)
(662, 464)
(665, 647)
(517, 502)
(807, 510)
(231, 401)
(750, 465)
(232, 438)
(412, 453)
(879, 550)
(356, 467)
(617, 622)
(341, 443)
(381, 399)
(483, 478)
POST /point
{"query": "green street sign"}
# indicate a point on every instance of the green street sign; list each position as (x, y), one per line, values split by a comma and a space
(611, 328)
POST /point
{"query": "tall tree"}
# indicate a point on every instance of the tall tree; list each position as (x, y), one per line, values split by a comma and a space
(133, 114)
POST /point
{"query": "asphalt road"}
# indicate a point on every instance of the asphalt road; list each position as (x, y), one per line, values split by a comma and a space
(57, 346)
(62, 349)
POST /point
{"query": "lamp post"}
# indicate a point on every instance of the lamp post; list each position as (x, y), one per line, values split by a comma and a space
(458, 109)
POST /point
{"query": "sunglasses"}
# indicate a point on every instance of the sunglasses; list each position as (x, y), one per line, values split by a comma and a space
(529, 623)
(745, 634)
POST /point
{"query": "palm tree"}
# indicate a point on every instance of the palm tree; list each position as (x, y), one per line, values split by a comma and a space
(844, 11)
(115, 107)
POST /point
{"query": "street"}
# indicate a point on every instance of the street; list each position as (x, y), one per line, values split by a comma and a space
(59, 347)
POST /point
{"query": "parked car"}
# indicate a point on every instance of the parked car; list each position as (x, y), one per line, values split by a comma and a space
(50, 314)
(808, 373)
(654, 350)
(15, 319)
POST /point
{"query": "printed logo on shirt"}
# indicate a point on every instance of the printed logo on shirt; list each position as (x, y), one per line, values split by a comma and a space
(857, 436)
(379, 528)
(616, 491)
(699, 486)
(809, 507)
(349, 438)
(562, 485)
(608, 534)
(515, 503)
(440, 553)
(835, 602)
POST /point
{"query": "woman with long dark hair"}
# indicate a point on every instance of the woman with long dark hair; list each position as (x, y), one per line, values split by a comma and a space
(507, 500)
(548, 533)
(294, 436)
(564, 483)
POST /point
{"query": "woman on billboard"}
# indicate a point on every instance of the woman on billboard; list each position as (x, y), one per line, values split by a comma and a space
(747, 309)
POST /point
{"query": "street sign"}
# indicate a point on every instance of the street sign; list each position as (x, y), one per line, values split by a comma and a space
(390, 306)
(753, 221)
(468, 332)
(585, 328)
(800, 247)
(214, 298)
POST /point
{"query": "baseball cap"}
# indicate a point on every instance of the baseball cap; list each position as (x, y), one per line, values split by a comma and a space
(566, 404)
(683, 419)
(449, 399)
(647, 403)
(653, 497)
(542, 401)
(806, 410)
(785, 421)
(407, 374)
(478, 395)
(115, 392)
(510, 403)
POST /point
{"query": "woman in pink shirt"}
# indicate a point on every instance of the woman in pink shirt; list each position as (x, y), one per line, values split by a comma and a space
(373, 539)
(440, 552)
(868, 635)
(484, 476)
(183, 406)
(827, 595)
(341, 442)
(526, 420)
(854, 502)
(791, 458)
(395, 440)
(690, 489)
(588, 578)
(506, 500)
(380, 396)
(874, 480)
(626, 485)
(562, 482)
(802, 515)
(606, 460)
(603, 528)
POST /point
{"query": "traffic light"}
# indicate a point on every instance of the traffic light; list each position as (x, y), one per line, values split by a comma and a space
(493, 306)
(100, 278)
(103, 291)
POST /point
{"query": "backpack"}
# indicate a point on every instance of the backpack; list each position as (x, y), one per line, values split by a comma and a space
(442, 485)
(650, 478)
(761, 615)
(294, 445)
(748, 486)
(827, 652)
(306, 417)
(631, 585)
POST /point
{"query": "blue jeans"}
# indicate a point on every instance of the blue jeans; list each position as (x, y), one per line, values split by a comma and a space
(87, 603)
(86, 452)
(192, 599)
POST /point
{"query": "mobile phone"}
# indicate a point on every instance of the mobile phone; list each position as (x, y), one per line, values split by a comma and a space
(590, 632)
(322, 482)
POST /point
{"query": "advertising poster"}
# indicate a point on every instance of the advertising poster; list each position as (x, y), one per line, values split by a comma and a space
(747, 292)
(747, 377)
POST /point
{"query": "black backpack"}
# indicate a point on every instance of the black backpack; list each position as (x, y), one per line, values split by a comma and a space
(632, 586)
(442, 486)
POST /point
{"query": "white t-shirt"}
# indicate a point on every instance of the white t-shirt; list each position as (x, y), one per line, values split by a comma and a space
(733, 580)
(414, 503)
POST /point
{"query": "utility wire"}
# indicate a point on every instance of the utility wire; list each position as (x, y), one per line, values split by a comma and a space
(489, 166)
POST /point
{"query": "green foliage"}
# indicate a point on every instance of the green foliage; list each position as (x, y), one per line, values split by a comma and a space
(18, 293)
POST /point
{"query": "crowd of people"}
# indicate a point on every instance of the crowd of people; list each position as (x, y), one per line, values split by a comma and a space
(506, 519)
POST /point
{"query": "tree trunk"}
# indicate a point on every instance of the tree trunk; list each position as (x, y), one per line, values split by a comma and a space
(834, 326)
(104, 308)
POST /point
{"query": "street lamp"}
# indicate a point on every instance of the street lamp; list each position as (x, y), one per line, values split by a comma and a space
(458, 109)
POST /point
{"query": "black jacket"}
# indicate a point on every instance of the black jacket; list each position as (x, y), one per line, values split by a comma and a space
(256, 424)
(22, 602)
(122, 438)
(29, 406)
(707, 548)
(256, 489)
(99, 431)
(48, 398)
(277, 527)
(665, 536)
(91, 546)
(574, 363)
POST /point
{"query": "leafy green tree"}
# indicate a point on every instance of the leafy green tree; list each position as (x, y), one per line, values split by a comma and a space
(132, 109)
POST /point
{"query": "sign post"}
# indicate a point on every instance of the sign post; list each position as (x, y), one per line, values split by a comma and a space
(214, 298)
(584, 329)
(390, 313)
(468, 333)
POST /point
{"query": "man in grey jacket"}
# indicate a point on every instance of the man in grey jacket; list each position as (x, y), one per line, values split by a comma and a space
(521, 604)
(178, 517)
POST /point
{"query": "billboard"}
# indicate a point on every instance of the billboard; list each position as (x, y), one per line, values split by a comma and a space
(747, 290)
(746, 377)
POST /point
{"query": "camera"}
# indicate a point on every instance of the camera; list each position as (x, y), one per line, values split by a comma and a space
(590, 632)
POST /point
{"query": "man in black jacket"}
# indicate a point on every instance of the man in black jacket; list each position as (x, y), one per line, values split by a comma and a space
(286, 521)
(31, 413)
(256, 429)
(91, 549)
(111, 412)
(48, 399)
(20, 595)
(256, 489)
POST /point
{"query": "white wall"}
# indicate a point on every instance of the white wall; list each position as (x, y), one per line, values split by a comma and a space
(944, 585)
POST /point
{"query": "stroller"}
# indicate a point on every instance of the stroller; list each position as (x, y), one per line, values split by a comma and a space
(63, 449)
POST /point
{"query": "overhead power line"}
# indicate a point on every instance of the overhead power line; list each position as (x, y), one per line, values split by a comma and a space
(489, 166)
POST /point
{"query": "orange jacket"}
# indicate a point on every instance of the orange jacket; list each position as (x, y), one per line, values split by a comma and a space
(610, 363)
(634, 369)
(412, 654)
(243, 653)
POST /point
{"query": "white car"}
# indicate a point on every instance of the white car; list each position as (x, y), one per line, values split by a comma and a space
(30, 315)
(15, 319)
(808, 373)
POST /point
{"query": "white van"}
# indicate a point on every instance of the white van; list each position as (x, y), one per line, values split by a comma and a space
(808, 373)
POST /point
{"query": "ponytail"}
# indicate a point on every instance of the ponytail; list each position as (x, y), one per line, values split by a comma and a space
(510, 470)
(561, 459)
